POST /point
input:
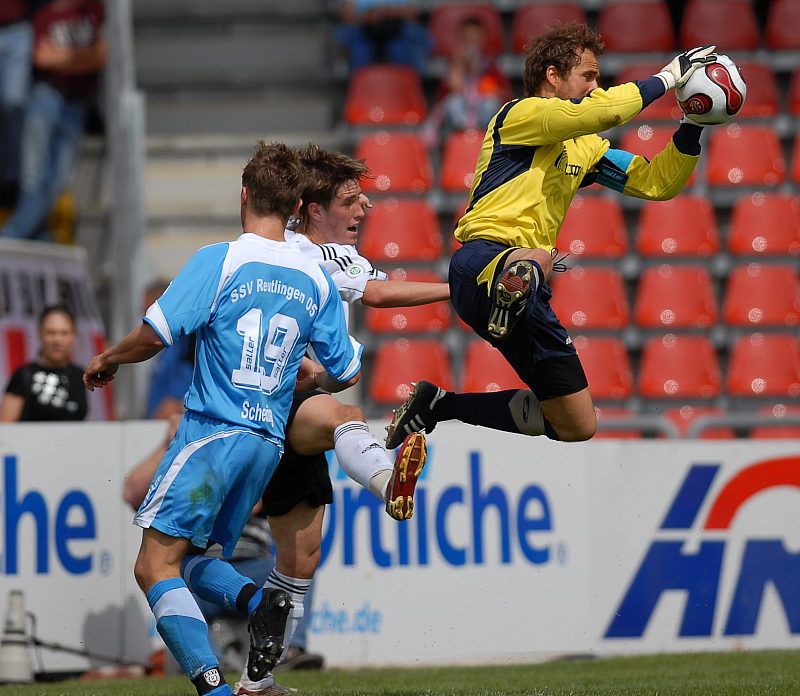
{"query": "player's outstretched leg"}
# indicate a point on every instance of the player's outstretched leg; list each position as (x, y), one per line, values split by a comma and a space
(408, 466)
(510, 295)
(415, 414)
(267, 626)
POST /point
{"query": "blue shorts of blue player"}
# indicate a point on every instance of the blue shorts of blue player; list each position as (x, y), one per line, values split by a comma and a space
(204, 489)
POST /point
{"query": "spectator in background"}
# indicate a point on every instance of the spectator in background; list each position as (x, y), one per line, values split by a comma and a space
(50, 388)
(15, 70)
(172, 368)
(68, 55)
(472, 90)
(382, 31)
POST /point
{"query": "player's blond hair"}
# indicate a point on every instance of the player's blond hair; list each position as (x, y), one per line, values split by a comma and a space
(274, 179)
(560, 46)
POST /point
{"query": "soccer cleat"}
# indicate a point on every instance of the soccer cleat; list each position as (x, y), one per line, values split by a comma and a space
(510, 296)
(273, 689)
(407, 467)
(415, 413)
(267, 626)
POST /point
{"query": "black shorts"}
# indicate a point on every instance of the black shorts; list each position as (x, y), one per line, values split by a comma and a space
(539, 348)
(298, 478)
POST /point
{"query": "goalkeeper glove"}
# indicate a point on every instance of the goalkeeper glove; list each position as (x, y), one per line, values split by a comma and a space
(680, 68)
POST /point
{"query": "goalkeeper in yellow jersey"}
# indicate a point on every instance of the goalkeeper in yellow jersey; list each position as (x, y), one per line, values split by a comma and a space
(538, 151)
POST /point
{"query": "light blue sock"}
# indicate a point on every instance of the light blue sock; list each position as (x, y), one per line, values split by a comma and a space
(184, 630)
(214, 580)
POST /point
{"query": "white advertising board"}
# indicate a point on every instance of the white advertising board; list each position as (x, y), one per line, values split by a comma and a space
(519, 548)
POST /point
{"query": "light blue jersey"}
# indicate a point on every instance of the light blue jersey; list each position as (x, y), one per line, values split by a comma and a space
(255, 305)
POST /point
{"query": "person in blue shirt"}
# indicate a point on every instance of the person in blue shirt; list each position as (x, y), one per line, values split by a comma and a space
(255, 304)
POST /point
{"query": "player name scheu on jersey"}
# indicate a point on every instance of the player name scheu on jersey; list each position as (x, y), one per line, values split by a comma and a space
(257, 413)
(276, 287)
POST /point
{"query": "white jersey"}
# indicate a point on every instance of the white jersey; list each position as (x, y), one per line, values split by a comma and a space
(349, 270)
(255, 305)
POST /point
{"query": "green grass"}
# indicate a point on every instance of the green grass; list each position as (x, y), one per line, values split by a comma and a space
(773, 673)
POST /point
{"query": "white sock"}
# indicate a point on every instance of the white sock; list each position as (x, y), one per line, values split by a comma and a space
(297, 588)
(362, 457)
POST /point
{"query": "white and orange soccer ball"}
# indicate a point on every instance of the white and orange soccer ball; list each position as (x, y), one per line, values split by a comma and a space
(714, 93)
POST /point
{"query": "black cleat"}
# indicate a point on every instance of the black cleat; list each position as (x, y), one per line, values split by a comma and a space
(510, 296)
(414, 414)
(267, 627)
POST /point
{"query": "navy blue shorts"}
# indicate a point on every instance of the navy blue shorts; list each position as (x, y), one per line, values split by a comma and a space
(539, 348)
(298, 478)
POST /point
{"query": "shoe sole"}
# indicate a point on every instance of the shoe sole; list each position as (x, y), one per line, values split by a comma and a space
(407, 468)
(397, 421)
(511, 291)
(263, 656)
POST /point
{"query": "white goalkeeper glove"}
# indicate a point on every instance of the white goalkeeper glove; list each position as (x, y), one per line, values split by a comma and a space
(680, 68)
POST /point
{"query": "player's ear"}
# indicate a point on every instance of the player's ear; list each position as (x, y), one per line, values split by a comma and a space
(315, 211)
(243, 196)
(551, 76)
(297, 208)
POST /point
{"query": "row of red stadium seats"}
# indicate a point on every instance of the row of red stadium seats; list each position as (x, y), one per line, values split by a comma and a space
(684, 416)
(393, 95)
(762, 224)
(673, 366)
(738, 155)
(631, 25)
(667, 297)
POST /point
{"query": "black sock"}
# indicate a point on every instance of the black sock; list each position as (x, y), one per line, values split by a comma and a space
(244, 597)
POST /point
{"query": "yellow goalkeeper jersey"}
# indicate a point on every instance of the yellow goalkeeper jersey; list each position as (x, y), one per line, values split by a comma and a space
(537, 153)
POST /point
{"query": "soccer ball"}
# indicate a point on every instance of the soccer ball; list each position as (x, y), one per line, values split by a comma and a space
(714, 93)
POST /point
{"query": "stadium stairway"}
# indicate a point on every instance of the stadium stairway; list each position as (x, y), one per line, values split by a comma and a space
(217, 76)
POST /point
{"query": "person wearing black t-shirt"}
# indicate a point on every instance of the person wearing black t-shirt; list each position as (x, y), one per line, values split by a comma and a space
(51, 387)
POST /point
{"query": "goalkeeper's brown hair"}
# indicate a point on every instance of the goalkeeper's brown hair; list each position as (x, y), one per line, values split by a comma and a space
(325, 172)
(274, 178)
(560, 46)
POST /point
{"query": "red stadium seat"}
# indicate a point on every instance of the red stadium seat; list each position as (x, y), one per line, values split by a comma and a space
(486, 370)
(729, 24)
(762, 91)
(385, 95)
(400, 362)
(636, 25)
(401, 229)
(590, 297)
(762, 295)
(783, 431)
(678, 366)
(794, 93)
(745, 155)
(458, 159)
(610, 413)
(446, 19)
(665, 109)
(648, 141)
(594, 228)
(435, 317)
(783, 26)
(684, 416)
(765, 365)
(683, 226)
(673, 296)
(534, 18)
(765, 224)
(607, 366)
(398, 163)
